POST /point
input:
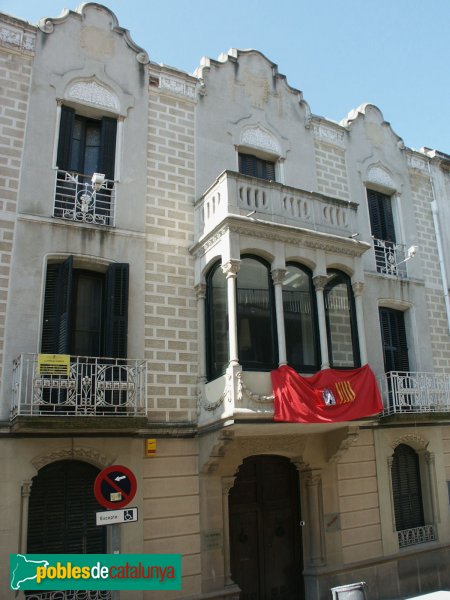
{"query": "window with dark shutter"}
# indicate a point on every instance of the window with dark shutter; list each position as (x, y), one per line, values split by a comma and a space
(406, 489)
(85, 312)
(381, 217)
(393, 334)
(62, 507)
(256, 167)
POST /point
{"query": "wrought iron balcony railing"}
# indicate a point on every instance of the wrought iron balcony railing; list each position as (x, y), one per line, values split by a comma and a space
(415, 392)
(416, 535)
(390, 258)
(237, 194)
(77, 200)
(69, 595)
(94, 387)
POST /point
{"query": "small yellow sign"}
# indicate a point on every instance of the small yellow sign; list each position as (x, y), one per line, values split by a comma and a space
(150, 447)
(54, 364)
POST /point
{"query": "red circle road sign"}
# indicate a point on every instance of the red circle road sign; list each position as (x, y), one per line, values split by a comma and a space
(115, 486)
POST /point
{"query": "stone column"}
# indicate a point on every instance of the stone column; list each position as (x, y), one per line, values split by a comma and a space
(227, 484)
(314, 518)
(319, 283)
(230, 269)
(278, 277)
(200, 291)
(25, 493)
(358, 287)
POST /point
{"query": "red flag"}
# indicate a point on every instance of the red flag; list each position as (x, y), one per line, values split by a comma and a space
(326, 397)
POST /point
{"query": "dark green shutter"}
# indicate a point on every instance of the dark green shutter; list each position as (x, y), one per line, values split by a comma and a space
(61, 516)
(256, 167)
(108, 147)
(393, 333)
(65, 138)
(406, 489)
(381, 217)
(116, 320)
(57, 308)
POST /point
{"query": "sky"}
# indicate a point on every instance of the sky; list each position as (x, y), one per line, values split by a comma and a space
(339, 53)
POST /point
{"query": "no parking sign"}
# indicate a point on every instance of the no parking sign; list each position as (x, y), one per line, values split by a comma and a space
(115, 487)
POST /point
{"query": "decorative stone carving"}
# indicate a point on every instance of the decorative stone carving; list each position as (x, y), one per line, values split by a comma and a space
(200, 291)
(412, 439)
(320, 281)
(87, 454)
(46, 25)
(330, 135)
(340, 441)
(225, 396)
(244, 393)
(284, 445)
(380, 176)
(258, 137)
(231, 268)
(358, 287)
(177, 86)
(278, 276)
(93, 93)
(224, 438)
(26, 488)
(16, 37)
(414, 162)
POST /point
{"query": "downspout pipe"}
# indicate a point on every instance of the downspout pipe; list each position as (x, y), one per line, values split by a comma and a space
(440, 249)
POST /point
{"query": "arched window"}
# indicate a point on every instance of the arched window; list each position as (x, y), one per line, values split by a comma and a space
(300, 319)
(406, 489)
(257, 348)
(216, 323)
(343, 347)
(61, 515)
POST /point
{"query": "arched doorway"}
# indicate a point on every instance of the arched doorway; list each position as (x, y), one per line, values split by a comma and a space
(61, 514)
(265, 542)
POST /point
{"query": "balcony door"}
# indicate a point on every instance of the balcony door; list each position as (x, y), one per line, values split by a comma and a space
(265, 542)
(85, 312)
(393, 334)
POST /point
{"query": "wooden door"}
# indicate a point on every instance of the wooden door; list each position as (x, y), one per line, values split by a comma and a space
(265, 542)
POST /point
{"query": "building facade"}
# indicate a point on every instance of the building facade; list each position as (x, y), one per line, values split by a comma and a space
(178, 237)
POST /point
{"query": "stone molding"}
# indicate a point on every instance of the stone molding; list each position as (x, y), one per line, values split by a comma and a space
(84, 454)
(177, 86)
(91, 92)
(260, 138)
(17, 38)
(330, 135)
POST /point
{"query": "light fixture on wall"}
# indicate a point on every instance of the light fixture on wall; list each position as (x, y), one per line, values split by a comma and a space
(98, 179)
(410, 253)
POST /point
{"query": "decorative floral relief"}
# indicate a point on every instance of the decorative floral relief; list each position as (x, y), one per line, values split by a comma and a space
(92, 92)
(18, 38)
(177, 87)
(256, 136)
(329, 134)
(381, 177)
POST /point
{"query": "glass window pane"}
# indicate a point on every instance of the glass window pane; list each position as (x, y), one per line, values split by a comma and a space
(217, 324)
(338, 307)
(254, 313)
(299, 320)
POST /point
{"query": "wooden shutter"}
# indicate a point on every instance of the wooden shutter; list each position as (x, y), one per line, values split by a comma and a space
(381, 217)
(116, 320)
(57, 308)
(65, 138)
(108, 147)
(393, 333)
(61, 516)
(256, 167)
(406, 488)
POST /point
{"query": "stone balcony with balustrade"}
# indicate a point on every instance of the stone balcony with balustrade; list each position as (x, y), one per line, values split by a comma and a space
(234, 194)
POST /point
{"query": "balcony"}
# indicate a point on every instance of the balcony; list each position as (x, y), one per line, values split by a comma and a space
(414, 392)
(93, 387)
(236, 194)
(78, 199)
(416, 535)
(390, 258)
